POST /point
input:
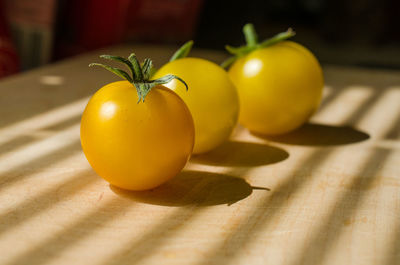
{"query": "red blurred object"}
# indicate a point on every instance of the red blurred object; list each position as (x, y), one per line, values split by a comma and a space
(9, 61)
(91, 24)
(101, 22)
(167, 20)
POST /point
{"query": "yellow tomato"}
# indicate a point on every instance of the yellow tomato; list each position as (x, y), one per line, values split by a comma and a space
(212, 99)
(280, 85)
(133, 145)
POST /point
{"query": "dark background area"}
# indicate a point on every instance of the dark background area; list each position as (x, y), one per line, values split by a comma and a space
(362, 33)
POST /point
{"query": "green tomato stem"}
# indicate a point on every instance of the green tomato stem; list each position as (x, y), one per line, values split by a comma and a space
(277, 38)
(252, 44)
(228, 62)
(117, 71)
(182, 52)
(138, 74)
(141, 75)
(250, 35)
(147, 65)
(119, 59)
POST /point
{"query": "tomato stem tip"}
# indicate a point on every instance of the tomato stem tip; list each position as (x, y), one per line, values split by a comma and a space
(183, 51)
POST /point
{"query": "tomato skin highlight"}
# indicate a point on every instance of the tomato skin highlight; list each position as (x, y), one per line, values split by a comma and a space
(136, 146)
(279, 87)
(212, 99)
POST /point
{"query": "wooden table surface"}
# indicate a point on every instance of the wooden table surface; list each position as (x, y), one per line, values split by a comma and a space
(326, 194)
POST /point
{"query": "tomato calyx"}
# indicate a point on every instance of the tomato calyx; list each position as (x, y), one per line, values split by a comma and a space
(253, 44)
(139, 75)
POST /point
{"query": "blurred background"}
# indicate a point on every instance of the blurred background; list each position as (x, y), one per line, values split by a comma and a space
(363, 33)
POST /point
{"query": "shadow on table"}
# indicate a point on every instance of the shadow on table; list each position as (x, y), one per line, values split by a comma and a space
(193, 188)
(246, 154)
(319, 134)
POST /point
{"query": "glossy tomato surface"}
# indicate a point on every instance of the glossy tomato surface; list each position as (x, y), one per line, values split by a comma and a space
(212, 99)
(279, 87)
(136, 146)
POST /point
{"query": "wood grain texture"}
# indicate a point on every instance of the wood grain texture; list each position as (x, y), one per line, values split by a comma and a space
(328, 193)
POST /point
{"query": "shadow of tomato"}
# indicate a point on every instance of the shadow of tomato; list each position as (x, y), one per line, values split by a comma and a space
(319, 135)
(195, 188)
(242, 154)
